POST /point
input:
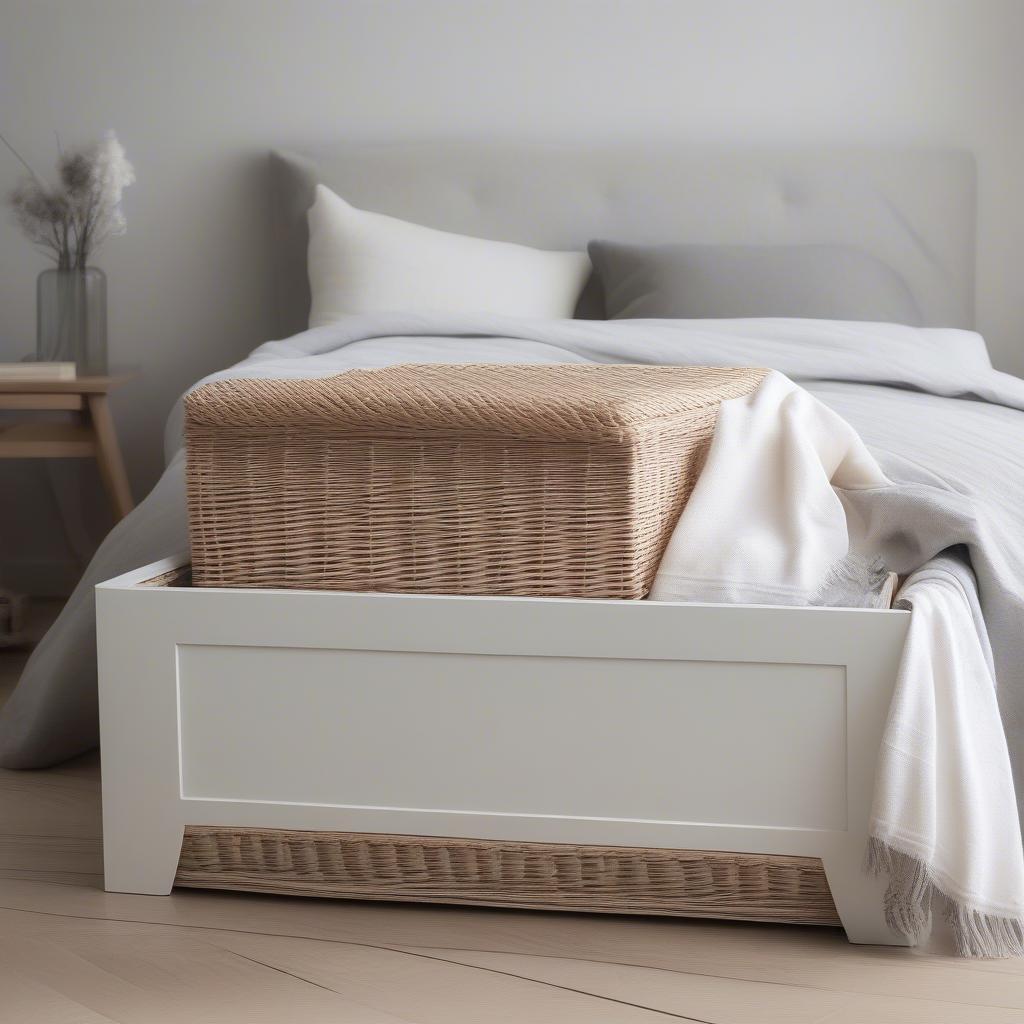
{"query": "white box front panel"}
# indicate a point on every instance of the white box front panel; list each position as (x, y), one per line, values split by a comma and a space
(453, 732)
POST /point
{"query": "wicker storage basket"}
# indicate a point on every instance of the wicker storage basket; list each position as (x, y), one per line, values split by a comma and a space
(541, 876)
(558, 480)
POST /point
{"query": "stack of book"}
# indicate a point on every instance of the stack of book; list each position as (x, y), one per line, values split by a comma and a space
(37, 371)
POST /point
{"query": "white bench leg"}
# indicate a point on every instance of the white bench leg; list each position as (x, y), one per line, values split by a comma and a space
(140, 857)
(859, 898)
(142, 816)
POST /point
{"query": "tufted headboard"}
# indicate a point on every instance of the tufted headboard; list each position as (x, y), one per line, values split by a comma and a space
(913, 210)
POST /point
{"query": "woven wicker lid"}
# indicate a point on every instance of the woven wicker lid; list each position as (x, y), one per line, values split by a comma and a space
(573, 400)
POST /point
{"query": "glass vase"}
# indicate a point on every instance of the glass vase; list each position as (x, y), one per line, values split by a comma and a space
(71, 319)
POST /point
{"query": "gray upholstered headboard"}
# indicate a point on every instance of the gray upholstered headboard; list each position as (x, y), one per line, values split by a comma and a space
(913, 210)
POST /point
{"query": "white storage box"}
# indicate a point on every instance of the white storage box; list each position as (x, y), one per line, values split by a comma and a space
(379, 723)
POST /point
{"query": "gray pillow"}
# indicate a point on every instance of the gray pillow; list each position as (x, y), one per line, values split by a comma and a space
(828, 282)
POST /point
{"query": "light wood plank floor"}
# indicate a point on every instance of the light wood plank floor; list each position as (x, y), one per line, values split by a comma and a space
(72, 954)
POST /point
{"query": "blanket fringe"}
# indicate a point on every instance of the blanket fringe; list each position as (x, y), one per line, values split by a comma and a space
(908, 908)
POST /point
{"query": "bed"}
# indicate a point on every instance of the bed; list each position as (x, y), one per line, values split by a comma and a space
(214, 777)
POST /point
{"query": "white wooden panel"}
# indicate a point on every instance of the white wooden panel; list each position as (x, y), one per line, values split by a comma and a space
(709, 742)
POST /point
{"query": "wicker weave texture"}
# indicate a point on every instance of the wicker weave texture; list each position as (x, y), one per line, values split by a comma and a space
(557, 481)
(533, 875)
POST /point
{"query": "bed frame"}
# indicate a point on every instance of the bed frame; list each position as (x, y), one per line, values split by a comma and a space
(620, 756)
(543, 752)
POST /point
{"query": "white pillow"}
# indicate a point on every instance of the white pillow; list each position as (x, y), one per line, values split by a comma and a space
(362, 262)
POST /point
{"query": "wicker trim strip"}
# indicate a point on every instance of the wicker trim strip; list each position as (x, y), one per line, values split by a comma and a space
(624, 880)
(535, 481)
(181, 576)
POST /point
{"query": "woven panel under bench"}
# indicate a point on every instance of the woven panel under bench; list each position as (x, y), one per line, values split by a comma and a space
(542, 481)
(626, 880)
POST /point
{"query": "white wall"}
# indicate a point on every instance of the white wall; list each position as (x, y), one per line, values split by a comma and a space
(198, 91)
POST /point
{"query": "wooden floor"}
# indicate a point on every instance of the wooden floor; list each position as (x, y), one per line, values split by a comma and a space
(72, 954)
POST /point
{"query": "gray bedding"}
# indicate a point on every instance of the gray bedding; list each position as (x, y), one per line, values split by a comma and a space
(946, 428)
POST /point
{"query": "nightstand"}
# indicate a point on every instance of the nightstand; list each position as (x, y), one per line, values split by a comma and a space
(90, 434)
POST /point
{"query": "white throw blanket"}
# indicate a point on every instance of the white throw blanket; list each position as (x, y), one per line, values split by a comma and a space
(945, 813)
(765, 523)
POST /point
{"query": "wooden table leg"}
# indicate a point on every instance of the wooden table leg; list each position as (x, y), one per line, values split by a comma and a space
(108, 455)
